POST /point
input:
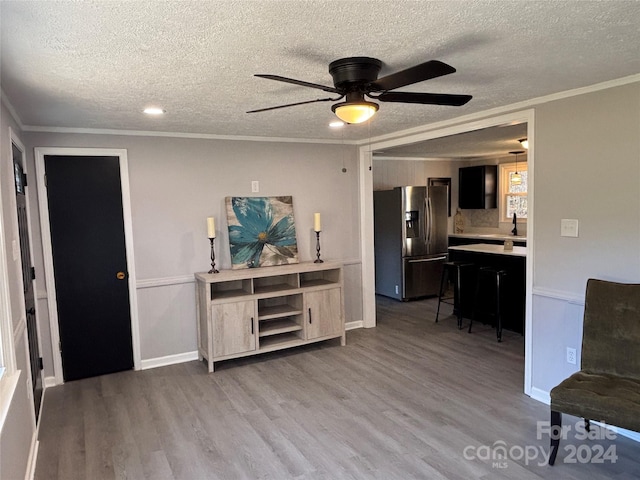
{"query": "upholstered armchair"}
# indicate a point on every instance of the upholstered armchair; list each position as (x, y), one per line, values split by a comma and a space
(607, 388)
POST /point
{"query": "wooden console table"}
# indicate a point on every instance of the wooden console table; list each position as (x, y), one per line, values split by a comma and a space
(257, 310)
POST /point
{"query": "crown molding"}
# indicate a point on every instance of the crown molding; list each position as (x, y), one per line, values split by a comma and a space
(403, 133)
(7, 103)
(526, 104)
(205, 136)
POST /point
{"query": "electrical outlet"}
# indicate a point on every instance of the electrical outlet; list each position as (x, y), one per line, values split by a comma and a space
(396, 289)
(571, 355)
(255, 186)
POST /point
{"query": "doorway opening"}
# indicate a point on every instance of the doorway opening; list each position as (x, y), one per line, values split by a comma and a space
(367, 160)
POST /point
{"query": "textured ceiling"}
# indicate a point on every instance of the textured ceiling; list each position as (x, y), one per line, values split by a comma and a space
(97, 64)
(477, 144)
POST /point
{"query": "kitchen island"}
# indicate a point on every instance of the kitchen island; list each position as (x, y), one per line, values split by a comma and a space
(456, 239)
(495, 256)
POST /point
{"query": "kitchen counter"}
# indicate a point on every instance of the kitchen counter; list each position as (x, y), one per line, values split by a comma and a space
(491, 249)
(490, 236)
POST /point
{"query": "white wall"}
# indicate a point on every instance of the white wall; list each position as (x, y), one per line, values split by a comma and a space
(176, 183)
(587, 167)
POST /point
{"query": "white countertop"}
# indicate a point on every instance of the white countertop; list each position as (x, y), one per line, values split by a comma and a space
(492, 236)
(491, 249)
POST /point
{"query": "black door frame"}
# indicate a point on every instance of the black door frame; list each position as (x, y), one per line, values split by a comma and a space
(40, 153)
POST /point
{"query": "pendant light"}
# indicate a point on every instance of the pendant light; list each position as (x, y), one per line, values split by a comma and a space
(516, 178)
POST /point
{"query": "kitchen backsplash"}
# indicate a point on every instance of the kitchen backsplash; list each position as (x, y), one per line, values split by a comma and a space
(488, 221)
(481, 218)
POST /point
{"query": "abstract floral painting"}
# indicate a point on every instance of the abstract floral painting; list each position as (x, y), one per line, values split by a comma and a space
(261, 231)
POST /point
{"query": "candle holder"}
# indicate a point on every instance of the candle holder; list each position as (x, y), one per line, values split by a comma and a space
(213, 258)
(318, 260)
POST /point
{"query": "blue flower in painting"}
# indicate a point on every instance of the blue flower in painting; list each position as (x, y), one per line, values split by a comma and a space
(257, 232)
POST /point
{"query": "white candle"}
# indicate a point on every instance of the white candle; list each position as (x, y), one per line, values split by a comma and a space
(316, 222)
(211, 227)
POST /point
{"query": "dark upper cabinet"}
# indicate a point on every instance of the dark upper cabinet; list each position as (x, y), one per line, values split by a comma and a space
(477, 186)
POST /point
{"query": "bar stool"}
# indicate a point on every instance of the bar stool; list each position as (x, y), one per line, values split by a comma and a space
(490, 280)
(452, 271)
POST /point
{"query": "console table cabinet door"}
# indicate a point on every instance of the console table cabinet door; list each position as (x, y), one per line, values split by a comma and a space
(233, 328)
(324, 313)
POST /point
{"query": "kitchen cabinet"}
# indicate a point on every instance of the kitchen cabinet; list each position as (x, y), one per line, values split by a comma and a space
(477, 187)
(247, 312)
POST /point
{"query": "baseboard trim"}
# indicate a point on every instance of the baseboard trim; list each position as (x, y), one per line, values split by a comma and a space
(540, 395)
(33, 458)
(50, 382)
(635, 436)
(168, 360)
(354, 324)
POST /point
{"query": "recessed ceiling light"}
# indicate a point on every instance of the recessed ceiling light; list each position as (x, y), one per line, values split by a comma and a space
(153, 111)
(336, 124)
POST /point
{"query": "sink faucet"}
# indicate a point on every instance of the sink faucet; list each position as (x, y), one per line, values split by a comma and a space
(515, 225)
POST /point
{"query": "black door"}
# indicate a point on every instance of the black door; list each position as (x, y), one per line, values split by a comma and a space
(90, 265)
(27, 279)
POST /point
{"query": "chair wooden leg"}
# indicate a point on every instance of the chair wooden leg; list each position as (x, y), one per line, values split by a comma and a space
(555, 434)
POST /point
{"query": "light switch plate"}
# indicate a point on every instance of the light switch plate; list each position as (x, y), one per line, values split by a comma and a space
(568, 227)
(255, 186)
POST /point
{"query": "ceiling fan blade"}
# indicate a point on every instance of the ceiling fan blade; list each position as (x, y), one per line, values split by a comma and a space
(424, 98)
(418, 73)
(299, 82)
(294, 104)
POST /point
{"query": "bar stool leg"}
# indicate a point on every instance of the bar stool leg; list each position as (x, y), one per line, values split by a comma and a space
(458, 293)
(498, 312)
(475, 302)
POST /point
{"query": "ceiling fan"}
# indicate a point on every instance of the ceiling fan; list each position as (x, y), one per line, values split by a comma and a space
(355, 77)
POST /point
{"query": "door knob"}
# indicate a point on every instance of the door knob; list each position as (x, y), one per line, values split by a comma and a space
(120, 275)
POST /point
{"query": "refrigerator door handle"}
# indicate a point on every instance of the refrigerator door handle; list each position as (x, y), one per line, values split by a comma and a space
(429, 222)
(435, 259)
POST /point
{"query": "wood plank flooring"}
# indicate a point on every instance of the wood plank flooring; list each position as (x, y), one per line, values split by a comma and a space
(405, 400)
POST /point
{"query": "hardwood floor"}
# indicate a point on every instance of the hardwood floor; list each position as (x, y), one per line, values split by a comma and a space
(410, 399)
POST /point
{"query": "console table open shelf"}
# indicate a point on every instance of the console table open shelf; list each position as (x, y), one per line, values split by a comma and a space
(247, 312)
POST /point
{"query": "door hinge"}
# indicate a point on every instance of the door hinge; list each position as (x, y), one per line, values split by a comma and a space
(40, 363)
(33, 273)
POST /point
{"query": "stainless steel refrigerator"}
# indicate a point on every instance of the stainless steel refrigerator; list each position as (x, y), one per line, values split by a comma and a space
(410, 240)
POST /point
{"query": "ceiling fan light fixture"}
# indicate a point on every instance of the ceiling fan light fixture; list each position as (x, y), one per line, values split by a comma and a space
(355, 112)
(524, 142)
